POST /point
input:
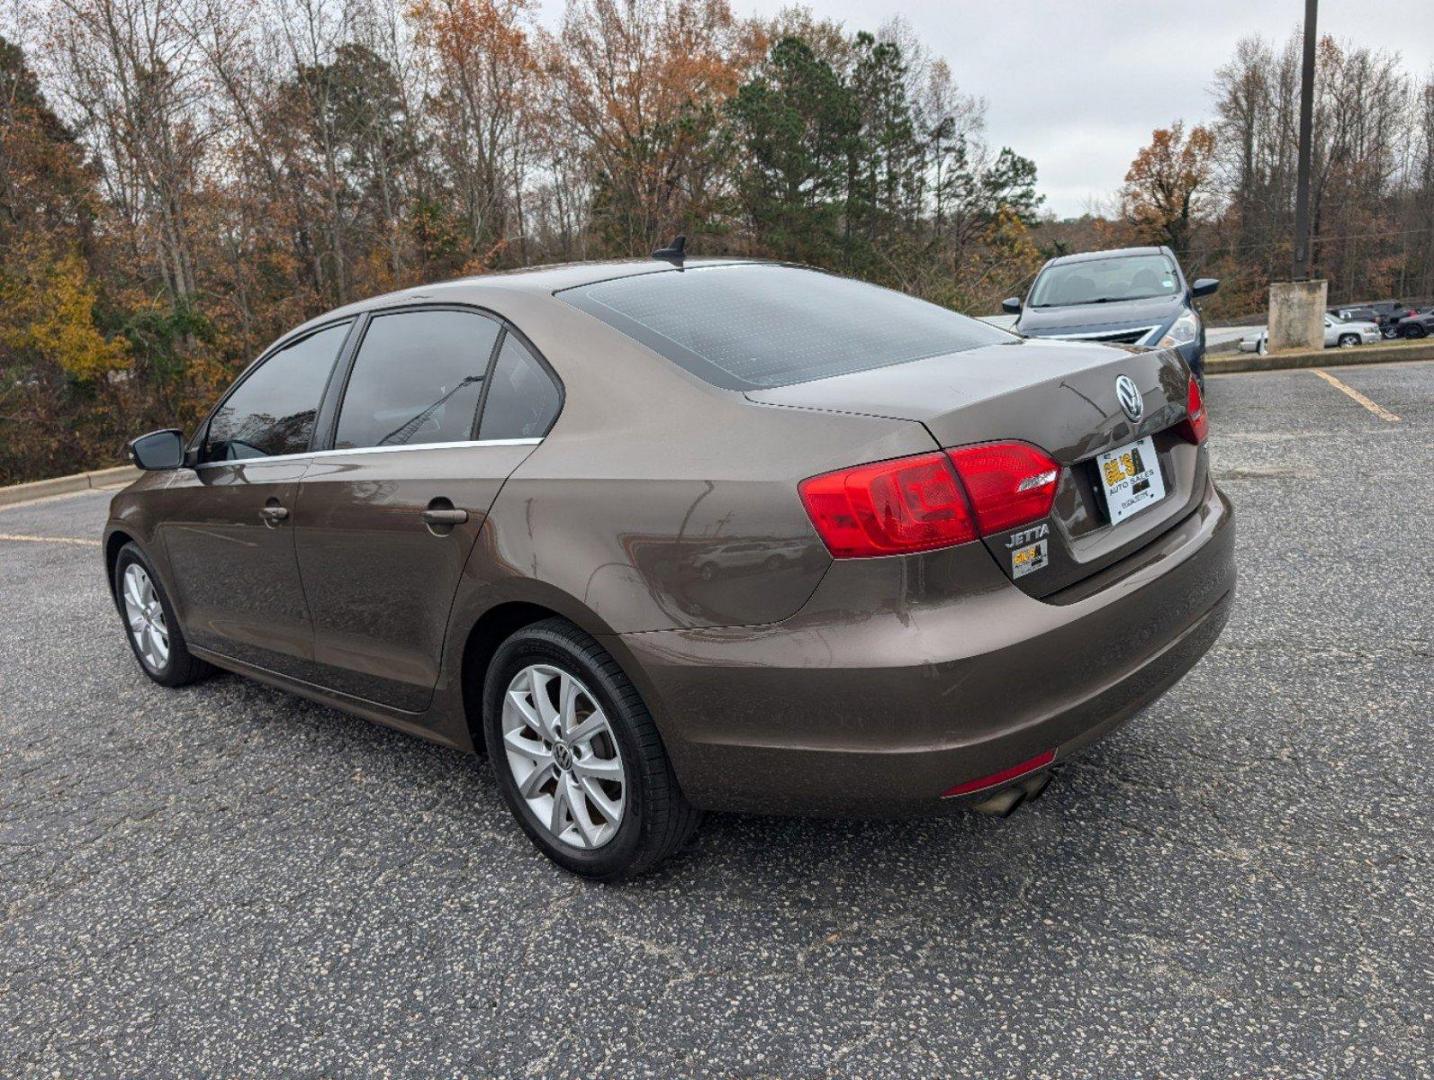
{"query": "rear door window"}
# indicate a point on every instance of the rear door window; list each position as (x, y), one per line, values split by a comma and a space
(272, 410)
(417, 379)
(755, 326)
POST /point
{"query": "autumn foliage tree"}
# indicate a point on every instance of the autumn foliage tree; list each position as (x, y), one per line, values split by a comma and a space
(1167, 184)
(642, 84)
(56, 356)
(482, 117)
(183, 180)
(1372, 176)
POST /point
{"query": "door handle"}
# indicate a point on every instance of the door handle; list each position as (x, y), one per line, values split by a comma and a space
(440, 516)
(274, 514)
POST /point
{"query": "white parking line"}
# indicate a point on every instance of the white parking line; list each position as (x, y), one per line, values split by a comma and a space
(49, 540)
(1378, 410)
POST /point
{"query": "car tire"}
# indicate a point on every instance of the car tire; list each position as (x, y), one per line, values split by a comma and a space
(541, 775)
(1415, 331)
(151, 628)
(1348, 341)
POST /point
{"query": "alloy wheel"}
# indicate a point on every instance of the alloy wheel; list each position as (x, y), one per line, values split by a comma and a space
(145, 617)
(563, 756)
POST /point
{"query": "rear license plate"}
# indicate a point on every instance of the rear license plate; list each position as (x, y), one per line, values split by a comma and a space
(1130, 475)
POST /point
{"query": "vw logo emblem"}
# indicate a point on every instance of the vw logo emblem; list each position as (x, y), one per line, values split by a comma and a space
(1130, 400)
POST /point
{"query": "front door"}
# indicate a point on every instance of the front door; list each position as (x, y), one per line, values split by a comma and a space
(388, 517)
(227, 524)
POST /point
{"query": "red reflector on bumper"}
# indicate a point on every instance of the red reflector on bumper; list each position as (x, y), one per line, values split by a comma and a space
(1040, 761)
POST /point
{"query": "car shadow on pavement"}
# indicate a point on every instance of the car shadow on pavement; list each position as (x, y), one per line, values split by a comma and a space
(376, 777)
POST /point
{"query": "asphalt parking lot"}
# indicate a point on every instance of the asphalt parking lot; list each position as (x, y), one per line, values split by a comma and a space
(227, 880)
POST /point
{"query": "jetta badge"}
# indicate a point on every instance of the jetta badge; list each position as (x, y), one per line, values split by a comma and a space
(1130, 400)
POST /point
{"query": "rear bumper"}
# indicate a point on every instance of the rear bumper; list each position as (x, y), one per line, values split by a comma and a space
(902, 678)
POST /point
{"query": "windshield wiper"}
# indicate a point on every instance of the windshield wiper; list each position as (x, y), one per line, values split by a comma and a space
(405, 431)
(1077, 303)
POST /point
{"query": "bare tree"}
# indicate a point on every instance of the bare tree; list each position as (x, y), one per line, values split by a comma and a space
(481, 63)
(136, 81)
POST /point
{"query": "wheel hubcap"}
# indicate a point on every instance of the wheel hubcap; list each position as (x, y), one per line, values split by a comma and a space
(145, 616)
(563, 756)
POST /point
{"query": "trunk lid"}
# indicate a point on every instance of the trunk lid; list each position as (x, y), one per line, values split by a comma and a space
(1059, 396)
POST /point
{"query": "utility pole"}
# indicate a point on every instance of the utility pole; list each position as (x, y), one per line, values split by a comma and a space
(1297, 306)
(1300, 262)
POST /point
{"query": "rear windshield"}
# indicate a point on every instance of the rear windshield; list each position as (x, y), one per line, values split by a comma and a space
(747, 327)
(1093, 281)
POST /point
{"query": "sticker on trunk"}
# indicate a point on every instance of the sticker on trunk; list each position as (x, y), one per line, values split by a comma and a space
(1130, 477)
(1028, 559)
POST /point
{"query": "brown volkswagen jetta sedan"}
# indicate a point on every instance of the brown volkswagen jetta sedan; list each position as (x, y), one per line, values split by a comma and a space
(663, 538)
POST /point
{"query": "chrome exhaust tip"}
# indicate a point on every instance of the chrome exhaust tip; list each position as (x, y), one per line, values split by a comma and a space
(1035, 785)
(1001, 804)
(1004, 802)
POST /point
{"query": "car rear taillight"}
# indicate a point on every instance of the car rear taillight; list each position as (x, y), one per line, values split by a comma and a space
(1010, 483)
(889, 508)
(919, 504)
(1197, 420)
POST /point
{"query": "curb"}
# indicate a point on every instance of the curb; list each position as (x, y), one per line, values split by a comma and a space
(1283, 361)
(63, 485)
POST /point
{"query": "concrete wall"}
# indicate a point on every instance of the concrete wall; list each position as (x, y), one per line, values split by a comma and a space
(1297, 314)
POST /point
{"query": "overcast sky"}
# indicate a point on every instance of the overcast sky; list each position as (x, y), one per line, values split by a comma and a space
(1078, 85)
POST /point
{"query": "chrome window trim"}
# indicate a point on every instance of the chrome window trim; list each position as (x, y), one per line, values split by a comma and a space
(350, 451)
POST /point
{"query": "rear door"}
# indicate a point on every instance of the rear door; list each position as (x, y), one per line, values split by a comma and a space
(226, 525)
(425, 434)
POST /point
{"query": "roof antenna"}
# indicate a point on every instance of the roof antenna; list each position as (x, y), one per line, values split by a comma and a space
(674, 252)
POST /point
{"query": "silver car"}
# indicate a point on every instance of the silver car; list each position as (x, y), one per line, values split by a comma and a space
(1341, 333)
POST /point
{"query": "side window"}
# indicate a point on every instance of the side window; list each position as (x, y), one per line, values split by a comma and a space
(523, 401)
(417, 379)
(272, 411)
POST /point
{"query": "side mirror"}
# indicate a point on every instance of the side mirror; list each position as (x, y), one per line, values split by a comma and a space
(1011, 305)
(1204, 286)
(158, 450)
